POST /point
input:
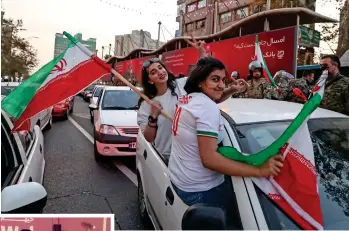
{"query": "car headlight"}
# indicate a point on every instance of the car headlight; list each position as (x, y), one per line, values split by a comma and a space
(107, 129)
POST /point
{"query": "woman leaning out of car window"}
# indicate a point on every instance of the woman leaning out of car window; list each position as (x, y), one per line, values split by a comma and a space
(196, 169)
(161, 86)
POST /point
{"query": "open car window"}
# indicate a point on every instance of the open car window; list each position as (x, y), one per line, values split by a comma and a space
(330, 139)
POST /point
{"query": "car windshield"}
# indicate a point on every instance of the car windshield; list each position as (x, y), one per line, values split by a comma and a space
(97, 91)
(6, 90)
(90, 88)
(330, 139)
(119, 100)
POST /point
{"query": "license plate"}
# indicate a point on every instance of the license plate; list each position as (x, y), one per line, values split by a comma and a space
(132, 145)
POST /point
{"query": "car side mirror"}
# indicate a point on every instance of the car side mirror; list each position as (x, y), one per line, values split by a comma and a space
(92, 106)
(204, 217)
(29, 197)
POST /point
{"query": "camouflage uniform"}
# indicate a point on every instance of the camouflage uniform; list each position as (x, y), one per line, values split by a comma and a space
(336, 96)
(257, 90)
(303, 85)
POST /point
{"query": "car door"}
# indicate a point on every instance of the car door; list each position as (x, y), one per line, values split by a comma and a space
(13, 158)
(30, 148)
(156, 183)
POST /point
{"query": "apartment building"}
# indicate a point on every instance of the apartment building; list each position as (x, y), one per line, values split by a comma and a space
(204, 17)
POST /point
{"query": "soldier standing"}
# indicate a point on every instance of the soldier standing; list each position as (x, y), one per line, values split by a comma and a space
(336, 95)
(304, 84)
(259, 86)
(235, 75)
(282, 80)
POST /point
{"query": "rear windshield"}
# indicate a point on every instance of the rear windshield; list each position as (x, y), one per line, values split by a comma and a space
(330, 139)
(97, 91)
(6, 90)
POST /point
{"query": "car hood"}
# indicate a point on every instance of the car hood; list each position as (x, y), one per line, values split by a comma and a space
(119, 117)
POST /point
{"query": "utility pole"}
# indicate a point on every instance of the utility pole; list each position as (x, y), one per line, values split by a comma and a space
(142, 38)
(97, 53)
(157, 43)
(102, 52)
(268, 4)
(109, 48)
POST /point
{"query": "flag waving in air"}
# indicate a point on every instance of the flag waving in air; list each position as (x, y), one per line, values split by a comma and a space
(260, 58)
(295, 189)
(66, 75)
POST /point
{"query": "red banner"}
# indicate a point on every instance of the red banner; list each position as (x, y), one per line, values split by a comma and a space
(131, 69)
(46, 224)
(278, 48)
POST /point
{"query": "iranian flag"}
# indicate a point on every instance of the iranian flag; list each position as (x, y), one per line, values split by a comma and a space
(260, 58)
(63, 77)
(295, 189)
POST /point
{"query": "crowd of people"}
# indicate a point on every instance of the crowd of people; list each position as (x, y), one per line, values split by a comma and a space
(336, 96)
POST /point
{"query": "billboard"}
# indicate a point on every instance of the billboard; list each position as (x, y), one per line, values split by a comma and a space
(278, 48)
(48, 224)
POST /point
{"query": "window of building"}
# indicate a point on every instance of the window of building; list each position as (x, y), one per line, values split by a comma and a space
(226, 17)
(242, 12)
(189, 27)
(191, 7)
(201, 3)
(200, 24)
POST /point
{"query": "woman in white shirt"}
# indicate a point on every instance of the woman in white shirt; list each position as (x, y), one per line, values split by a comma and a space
(196, 169)
(164, 89)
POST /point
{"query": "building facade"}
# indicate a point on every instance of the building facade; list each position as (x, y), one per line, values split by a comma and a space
(126, 43)
(61, 43)
(205, 17)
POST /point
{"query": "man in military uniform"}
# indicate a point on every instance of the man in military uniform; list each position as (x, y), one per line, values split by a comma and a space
(336, 95)
(235, 75)
(304, 84)
(258, 84)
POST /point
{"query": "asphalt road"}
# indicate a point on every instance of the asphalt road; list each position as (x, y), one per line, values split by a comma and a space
(77, 184)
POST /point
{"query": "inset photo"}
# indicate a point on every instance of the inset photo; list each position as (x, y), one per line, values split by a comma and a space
(64, 222)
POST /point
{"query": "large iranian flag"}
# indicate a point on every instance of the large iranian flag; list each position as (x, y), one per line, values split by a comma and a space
(260, 58)
(65, 76)
(295, 189)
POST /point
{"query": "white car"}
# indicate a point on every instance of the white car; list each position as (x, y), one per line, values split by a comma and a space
(115, 122)
(243, 119)
(43, 119)
(22, 161)
(94, 98)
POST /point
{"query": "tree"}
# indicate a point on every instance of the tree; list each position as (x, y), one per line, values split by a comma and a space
(17, 53)
(337, 33)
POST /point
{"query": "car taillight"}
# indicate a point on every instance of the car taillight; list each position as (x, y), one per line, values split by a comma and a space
(60, 105)
(107, 129)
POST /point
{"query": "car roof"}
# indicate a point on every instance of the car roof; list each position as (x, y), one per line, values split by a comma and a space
(263, 110)
(122, 88)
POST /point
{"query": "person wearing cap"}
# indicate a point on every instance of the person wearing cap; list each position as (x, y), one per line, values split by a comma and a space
(303, 84)
(282, 79)
(258, 85)
(235, 76)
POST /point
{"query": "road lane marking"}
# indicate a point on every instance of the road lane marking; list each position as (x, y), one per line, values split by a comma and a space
(82, 115)
(126, 171)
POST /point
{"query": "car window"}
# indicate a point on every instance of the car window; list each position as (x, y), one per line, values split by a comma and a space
(99, 99)
(27, 140)
(119, 100)
(330, 139)
(97, 92)
(10, 158)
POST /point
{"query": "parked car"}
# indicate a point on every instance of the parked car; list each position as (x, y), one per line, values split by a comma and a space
(87, 94)
(22, 161)
(64, 108)
(43, 119)
(250, 126)
(115, 122)
(95, 95)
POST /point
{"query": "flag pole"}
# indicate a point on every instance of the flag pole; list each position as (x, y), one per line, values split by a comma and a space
(120, 77)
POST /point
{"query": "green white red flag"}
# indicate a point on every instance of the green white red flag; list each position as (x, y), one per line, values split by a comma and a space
(295, 189)
(63, 77)
(260, 58)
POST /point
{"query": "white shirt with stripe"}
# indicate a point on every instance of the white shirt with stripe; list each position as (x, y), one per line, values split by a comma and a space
(195, 115)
